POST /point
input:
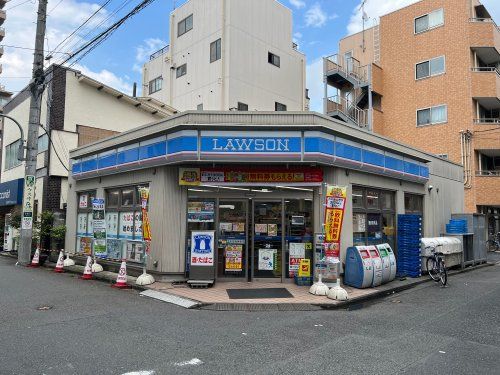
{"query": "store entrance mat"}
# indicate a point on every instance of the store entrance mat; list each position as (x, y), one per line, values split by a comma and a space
(258, 293)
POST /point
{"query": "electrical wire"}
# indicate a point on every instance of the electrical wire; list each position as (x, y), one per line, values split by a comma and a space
(17, 5)
(50, 11)
(54, 147)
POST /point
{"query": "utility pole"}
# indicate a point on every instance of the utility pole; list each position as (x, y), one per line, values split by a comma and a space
(36, 87)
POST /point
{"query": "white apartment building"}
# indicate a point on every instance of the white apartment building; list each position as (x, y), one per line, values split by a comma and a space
(228, 55)
(76, 110)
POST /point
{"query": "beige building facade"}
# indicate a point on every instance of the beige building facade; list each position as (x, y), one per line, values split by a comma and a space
(228, 55)
(432, 71)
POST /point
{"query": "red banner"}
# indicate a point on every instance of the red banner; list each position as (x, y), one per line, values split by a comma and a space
(334, 214)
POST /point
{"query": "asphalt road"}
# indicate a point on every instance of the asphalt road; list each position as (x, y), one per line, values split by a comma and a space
(91, 328)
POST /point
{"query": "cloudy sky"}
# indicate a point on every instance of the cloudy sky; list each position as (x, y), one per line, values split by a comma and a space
(318, 25)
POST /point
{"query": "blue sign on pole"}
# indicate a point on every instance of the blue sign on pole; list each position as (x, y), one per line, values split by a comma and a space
(11, 192)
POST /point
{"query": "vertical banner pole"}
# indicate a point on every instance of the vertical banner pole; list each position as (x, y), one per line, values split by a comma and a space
(145, 278)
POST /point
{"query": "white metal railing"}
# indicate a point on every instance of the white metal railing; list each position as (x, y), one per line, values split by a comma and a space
(354, 113)
(486, 20)
(159, 52)
(487, 121)
(495, 173)
(349, 66)
(487, 69)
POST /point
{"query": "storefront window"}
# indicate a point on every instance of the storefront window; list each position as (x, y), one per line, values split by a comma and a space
(358, 197)
(113, 198)
(374, 224)
(298, 235)
(84, 229)
(128, 197)
(414, 204)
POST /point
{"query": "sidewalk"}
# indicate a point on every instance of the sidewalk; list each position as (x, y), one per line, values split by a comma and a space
(216, 297)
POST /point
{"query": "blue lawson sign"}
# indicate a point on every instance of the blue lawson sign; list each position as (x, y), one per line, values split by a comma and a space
(11, 192)
(251, 144)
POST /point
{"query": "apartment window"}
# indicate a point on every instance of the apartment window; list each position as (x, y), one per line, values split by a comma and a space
(185, 25)
(155, 85)
(181, 70)
(199, 107)
(429, 21)
(273, 59)
(43, 143)
(11, 155)
(279, 107)
(242, 106)
(215, 50)
(430, 68)
(433, 115)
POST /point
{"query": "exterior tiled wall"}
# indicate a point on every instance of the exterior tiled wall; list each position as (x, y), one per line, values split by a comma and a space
(88, 134)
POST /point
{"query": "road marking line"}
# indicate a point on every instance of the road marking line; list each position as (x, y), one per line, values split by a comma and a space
(139, 373)
(179, 301)
(191, 362)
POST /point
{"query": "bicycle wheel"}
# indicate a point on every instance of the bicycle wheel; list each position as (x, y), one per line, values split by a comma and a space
(443, 274)
(491, 245)
(432, 269)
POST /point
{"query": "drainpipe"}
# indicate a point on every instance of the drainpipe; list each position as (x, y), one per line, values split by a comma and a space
(370, 99)
(325, 100)
(172, 69)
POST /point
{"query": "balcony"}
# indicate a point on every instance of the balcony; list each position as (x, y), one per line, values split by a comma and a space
(483, 32)
(342, 109)
(3, 15)
(160, 52)
(485, 83)
(341, 72)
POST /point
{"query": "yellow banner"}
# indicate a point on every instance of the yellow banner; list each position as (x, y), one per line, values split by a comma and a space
(189, 176)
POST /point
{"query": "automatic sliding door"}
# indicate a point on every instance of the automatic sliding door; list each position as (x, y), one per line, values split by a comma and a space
(267, 239)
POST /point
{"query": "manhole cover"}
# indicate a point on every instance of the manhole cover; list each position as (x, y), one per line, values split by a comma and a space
(43, 308)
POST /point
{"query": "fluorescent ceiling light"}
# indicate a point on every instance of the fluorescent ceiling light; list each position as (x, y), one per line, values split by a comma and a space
(293, 188)
(225, 187)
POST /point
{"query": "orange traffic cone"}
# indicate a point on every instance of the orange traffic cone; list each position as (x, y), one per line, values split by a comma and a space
(35, 262)
(60, 263)
(121, 280)
(87, 271)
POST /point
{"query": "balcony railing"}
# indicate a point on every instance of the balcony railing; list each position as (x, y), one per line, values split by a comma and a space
(159, 52)
(487, 121)
(349, 66)
(349, 109)
(495, 173)
(487, 69)
(487, 20)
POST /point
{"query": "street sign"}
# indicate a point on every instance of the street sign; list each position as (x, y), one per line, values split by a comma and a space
(28, 202)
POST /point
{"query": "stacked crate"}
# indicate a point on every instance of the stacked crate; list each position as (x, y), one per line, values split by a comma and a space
(409, 235)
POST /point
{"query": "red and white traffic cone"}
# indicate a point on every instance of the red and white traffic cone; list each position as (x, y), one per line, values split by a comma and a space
(35, 262)
(87, 271)
(121, 280)
(60, 263)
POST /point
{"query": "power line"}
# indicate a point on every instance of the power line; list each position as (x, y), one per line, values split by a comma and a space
(17, 5)
(50, 11)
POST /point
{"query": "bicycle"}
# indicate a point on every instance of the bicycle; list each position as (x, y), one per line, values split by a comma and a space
(493, 244)
(435, 265)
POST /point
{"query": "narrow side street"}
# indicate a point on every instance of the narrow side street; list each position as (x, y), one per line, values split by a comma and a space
(94, 329)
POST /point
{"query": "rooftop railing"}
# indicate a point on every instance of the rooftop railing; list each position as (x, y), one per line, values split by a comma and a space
(159, 52)
(349, 66)
(354, 113)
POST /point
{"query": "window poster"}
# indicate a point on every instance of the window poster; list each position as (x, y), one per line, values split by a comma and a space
(135, 251)
(112, 224)
(82, 225)
(266, 259)
(297, 252)
(138, 225)
(359, 222)
(226, 227)
(272, 230)
(261, 228)
(114, 249)
(234, 258)
(90, 224)
(86, 245)
(126, 229)
(83, 203)
(238, 227)
(201, 212)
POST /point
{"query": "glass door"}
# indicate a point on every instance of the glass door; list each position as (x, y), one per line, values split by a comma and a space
(267, 230)
(232, 239)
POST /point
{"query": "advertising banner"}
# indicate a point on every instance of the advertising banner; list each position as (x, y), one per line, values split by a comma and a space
(202, 248)
(99, 227)
(197, 176)
(297, 252)
(335, 199)
(28, 202)
(146, 228)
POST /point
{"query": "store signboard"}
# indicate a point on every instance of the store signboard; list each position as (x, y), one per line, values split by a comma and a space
(11, 192)
(202, 248)
(251, 142)
(28, 202)
(335, 199)
(242, 176)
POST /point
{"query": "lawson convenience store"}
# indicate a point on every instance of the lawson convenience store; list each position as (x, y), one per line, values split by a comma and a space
(255, 181)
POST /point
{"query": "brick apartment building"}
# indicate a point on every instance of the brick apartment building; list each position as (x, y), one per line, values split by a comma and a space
(433, 73)
(76, 110)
